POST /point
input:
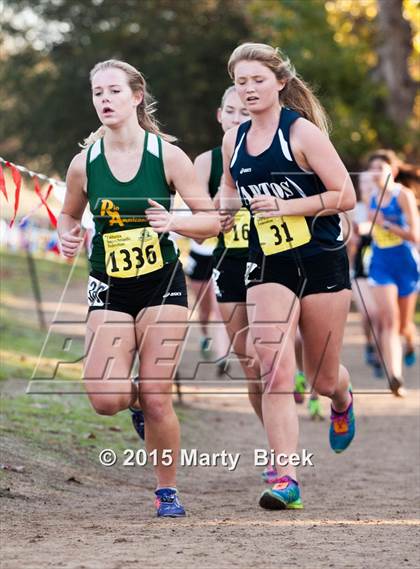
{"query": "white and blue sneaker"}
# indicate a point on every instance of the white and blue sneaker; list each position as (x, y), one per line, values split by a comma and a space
(167, 503)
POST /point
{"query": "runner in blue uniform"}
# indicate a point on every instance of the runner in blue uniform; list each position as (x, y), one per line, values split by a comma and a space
(360, 253)
(283, 168)
(394, 268)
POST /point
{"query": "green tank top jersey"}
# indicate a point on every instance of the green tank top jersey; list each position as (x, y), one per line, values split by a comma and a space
(124, 244)
(216, 173)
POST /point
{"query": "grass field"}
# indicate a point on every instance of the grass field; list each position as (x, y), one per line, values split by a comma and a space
(58, 426)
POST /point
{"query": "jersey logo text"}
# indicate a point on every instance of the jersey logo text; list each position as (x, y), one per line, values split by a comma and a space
(108, 208)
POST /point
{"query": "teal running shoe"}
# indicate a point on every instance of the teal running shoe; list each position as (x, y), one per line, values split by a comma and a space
(167, 504)
(410, 358)
(342, 428)
(269, 475)
(205, 347)
(284, 495)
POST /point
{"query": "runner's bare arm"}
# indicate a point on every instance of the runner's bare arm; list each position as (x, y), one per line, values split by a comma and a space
(314, 152)
(75, 202)
(408, 204)
(180, 174)
(229, 200)
(202, 167)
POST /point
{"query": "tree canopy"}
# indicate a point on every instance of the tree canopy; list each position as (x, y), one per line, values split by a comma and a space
(182, 48)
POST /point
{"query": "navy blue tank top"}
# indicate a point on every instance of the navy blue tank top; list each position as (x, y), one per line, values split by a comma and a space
(275, 172)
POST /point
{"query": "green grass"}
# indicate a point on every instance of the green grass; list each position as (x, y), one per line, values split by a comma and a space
(21, 340)
(52, 274)
(59, 427)
(21, 343)
(66, 426)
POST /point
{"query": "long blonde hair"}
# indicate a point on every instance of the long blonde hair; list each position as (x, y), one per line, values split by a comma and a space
(145, 110)
(296, 94)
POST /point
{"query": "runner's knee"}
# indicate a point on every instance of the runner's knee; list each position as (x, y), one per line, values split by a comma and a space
(326, 384)
(388, 320)
(156, 406)
(279, 377)
(104, 407)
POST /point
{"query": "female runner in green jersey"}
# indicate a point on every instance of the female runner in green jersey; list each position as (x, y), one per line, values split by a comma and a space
(136, 292)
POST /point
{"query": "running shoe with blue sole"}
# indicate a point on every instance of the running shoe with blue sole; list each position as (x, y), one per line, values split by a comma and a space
(167, 504)
(370, 355)
(378, 371)
(342, 428)
(137, 418)
(410, 358)
(284, 495)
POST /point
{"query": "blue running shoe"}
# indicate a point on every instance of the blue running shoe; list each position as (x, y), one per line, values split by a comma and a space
(137, 418)
(410, 358)
(284, 495)
(342, 428)
(167, 504)
(370, 355)
(378, 371)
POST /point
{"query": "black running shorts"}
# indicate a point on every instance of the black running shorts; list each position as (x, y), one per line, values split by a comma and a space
(229, 279)
(199, 267)
(327, 271)
(131, 295)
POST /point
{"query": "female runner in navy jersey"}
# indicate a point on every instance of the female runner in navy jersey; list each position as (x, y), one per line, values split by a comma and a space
(287, 173)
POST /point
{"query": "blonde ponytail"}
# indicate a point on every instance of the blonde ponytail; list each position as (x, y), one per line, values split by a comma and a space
(145, 109)
(296, 94)
(93, 137)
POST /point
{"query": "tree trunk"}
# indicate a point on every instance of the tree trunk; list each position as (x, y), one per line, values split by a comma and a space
(394, 49)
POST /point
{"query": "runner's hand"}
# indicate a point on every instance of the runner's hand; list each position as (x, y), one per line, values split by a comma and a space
(227, 221)
(379, 220)
(158, 217)
(268, 206)
(71, 241)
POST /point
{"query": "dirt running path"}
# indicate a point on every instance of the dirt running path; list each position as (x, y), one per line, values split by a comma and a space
(361, 508)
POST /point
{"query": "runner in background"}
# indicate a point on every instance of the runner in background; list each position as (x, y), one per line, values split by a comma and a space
(230, 257)
(200, 264)
(360, 253)
(394, 268)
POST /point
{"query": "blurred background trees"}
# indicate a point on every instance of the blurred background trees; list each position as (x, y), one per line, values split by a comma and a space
(362, 56)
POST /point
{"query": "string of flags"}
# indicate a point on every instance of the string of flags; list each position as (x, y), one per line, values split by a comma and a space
(16, 171)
